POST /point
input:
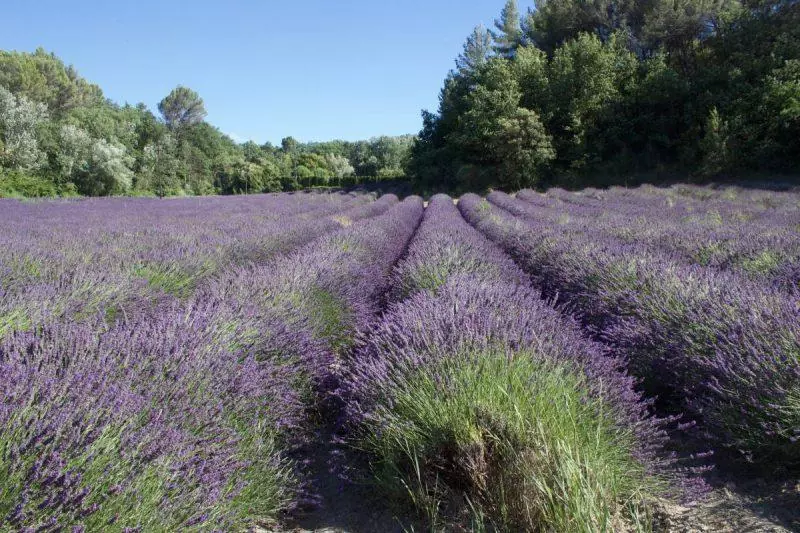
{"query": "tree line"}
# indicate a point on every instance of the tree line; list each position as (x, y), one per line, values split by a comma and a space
(59, 135)
(589, 92)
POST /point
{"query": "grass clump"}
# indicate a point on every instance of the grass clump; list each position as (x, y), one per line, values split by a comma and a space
(512, 444)
(172, 279)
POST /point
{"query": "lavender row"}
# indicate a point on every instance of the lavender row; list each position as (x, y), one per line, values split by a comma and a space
(181, 419)
(154, 424)
(680, 200)
(453, 391)
(331, 287)
(759, 244)
(724, 350)
(129, 266)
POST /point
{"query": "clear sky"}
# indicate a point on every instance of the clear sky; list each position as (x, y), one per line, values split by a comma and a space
(313, 69)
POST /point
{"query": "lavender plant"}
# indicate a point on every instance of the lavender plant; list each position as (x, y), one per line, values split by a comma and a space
(721, 348)
(472, 395)
(72, 259)
(184, 416)
(165, 423)
(758, 239)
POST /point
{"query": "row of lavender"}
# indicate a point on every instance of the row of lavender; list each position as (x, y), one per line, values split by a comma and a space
(713, 344)
(72, 258)
(753, 234)
(484, 406)
(182, 415)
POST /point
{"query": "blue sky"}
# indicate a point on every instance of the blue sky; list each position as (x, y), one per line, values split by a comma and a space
(312, 69)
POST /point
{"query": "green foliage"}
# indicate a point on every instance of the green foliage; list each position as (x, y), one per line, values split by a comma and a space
(58, 135)
(592, 92)
(182, 108)
(508, 34)
(19, 119)
(516, 441)
(15, 184)
(44, 78)
(104, 468)
(331, 316)
(477, 50)
(171, 280)
(714, 145)
(96, 166)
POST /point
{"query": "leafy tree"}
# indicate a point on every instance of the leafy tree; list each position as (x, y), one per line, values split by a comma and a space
(44, 78)
(678, 25)
(586, 79)
(340, 166)
(159, 167)
(289, 145)
(509, 142)
(182, 108)
(96, 166)
(524, 148)
(554, 22)
(271, 177)
(714, 145)
(19, 119)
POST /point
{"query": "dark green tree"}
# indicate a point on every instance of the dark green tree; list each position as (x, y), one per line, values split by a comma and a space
(508, 31)
(289, 145)
(182, 108)
(477, 50)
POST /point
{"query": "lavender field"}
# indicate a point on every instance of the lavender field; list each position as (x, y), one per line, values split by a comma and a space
(569, 361)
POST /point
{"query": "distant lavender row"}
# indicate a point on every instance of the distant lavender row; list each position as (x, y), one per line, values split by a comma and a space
(683, 200)
(721, 348)
(331, 287)
(759, 242)
(57, 260)
(181, 419)
(463, 309)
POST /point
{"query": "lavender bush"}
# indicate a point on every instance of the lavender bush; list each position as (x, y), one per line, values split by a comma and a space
(473, 395)
(758, 238)
(723, 349)
(184, 416)
(164, 423)
(72, 259)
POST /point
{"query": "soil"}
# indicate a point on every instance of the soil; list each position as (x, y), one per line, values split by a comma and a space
(748, 507)
(343, 507)
(756, 507)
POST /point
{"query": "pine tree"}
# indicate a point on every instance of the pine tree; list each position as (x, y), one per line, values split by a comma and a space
(182, 108)
(509, 31)
(477, 50)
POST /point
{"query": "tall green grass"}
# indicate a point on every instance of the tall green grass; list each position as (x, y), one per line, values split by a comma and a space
(517, 441)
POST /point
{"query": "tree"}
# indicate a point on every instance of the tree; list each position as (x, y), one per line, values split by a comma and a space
(677, 25)
(524, 147)
(96, 166)
(340, 166)
(271, 176)
(714, 145)
(508, 34)
(182, 108)
(159, 167)
(43, 78)
(289, 145)
(252, 152)
(587, 80)
(19, 118)
(496, 138)
(477, 49)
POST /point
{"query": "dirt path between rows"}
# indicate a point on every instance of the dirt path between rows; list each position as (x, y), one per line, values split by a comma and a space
(343, 507)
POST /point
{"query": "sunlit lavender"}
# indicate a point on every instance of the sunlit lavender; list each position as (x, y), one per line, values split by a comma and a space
(559, 361)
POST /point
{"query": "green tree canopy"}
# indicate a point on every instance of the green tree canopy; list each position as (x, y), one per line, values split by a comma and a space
(182, 108)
